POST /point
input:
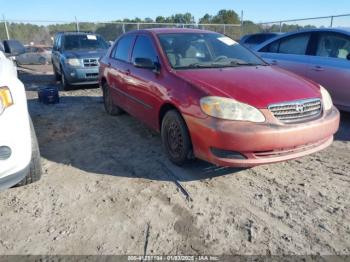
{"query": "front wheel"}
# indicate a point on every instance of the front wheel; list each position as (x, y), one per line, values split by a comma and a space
(35, 170)
(65, 85)
(176, 139)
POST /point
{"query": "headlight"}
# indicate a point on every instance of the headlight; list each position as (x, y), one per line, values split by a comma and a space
(230, 109)
(326, 98)
(73, 62)
(5, 99)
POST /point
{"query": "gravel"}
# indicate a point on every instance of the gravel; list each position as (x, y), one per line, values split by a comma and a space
(108, 188)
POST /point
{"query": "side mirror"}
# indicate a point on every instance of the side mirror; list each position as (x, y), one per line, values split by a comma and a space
(144, 63)
(13, 48)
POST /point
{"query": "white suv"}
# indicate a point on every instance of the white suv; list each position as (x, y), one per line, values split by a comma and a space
(19, 152)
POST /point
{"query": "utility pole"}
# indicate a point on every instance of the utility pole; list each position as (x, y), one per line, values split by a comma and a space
(7, 30)
(77, 24)
(241, 22)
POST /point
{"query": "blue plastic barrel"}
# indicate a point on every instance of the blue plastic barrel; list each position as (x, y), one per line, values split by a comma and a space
(48, 95)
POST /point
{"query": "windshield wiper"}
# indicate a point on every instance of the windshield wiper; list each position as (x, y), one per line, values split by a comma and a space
(244, 64)
(194, 65)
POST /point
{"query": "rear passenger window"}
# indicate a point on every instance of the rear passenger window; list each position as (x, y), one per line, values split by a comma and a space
(296, 45)
(271, 48)
(256, 39)
(121, 51)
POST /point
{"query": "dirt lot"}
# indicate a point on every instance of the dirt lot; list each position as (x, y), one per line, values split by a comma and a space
(107, 188)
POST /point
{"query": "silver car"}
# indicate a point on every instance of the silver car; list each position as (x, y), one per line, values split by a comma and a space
(322, 55)
(35, 55)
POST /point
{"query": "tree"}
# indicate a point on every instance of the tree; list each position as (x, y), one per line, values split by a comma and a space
(160, 19)
(206, 19)
(186, 18)
(226, 17)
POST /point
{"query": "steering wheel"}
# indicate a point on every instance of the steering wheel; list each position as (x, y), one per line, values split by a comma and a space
(220, 57)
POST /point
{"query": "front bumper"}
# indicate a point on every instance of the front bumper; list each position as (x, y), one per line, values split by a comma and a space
(15, 134)
(81, 75)
(254, 144)
(13, 179)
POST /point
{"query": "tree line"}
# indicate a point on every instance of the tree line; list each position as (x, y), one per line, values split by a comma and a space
(42, 34)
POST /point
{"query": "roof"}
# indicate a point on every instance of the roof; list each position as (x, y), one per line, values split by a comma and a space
(74, 33)
(338, 30)
(172, 30)
(345, 31)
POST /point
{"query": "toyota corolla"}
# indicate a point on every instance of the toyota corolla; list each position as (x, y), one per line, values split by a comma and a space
(211, 98)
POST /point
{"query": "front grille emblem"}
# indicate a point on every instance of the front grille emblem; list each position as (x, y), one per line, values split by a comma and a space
(299, 108)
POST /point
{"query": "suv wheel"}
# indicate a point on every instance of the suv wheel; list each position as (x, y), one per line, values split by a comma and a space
(175, 138)
(35, 164)
(57, 75)
(110, 107)
(64, 82)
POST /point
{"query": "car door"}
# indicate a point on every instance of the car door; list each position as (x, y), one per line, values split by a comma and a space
(23, 58)
(290, 53)
(33, 56)
(330, 66)
(145, 84)
(118, 75)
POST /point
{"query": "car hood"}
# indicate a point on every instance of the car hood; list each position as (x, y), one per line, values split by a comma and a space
(85, 53)
(258, 86)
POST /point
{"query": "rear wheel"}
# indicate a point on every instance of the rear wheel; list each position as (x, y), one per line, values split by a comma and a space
(176, 139)
(35, 164)
(109, 105)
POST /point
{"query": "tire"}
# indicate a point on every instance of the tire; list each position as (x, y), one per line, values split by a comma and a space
(35, 170)
(176, 139)
(108, 103)
(65, 85)
(57, 75)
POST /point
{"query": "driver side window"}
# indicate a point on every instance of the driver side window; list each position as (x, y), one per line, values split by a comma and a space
(144, 49)
(333, 45)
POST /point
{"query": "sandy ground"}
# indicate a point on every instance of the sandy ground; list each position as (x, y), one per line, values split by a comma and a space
(107, 188)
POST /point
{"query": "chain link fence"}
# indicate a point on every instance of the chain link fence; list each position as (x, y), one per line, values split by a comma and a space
(285, 26)
(42, 32)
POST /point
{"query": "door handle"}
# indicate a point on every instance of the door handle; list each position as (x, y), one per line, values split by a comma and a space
(274, 62)
(318, 68)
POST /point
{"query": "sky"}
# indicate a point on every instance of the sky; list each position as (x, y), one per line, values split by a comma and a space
(107, 10)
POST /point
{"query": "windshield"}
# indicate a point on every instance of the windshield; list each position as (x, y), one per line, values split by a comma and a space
(73, 42)
(207, 50)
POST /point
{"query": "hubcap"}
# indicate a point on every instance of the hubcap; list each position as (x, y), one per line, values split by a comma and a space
(175, 140)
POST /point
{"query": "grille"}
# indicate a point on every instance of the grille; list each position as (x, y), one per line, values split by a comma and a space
(297, 111)
(90, 62)
(91, 75)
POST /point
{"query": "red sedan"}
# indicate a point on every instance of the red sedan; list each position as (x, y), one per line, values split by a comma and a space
(214, 99)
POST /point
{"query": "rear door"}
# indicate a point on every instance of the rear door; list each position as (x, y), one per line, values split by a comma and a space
(118, 75)
(330, 65)
(290, 53)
